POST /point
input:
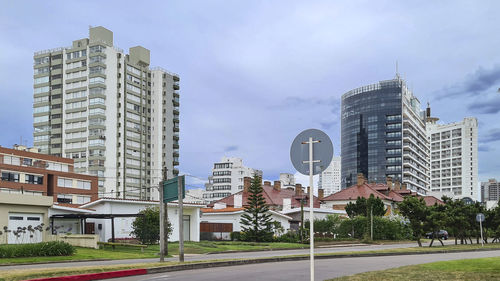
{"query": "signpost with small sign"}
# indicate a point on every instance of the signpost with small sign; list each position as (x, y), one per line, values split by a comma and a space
(480, 219)
(169, 191)
(311, 153)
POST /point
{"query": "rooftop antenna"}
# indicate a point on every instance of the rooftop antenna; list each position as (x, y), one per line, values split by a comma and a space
(397, 69)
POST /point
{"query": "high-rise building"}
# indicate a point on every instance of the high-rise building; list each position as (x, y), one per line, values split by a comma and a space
(110, 112)
(383, 135)
(287, 180)
(453, 157)
(490, 191)
(329, 179)
(227, 178)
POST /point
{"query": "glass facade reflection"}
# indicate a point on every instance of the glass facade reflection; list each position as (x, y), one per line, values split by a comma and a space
(383, 135)
(371, 131)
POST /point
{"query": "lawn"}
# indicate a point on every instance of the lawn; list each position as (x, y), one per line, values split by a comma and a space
(123, 252)
(467, 269)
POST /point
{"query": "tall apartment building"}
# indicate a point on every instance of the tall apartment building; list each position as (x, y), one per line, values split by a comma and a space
(329, 179)
(109, 111)
(454, 170)
(383, 135)
(227, 178)
(287, 180)
(490, 191)
(25, 171)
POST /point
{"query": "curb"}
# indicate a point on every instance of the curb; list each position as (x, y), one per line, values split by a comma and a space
(96, 276)
(192, 266)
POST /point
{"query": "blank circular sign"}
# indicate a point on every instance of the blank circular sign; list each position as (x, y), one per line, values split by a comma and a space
(322, 151)
(480, 217)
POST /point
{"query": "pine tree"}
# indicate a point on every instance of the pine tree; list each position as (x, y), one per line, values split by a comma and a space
(256, 222)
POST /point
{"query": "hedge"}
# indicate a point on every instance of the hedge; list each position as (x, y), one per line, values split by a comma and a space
(54, 248)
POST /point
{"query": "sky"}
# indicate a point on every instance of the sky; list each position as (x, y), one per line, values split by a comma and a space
(254, 74)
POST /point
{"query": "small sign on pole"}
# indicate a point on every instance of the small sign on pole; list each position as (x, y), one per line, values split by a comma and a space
(171, 189)
(480, 219)
(311, 153)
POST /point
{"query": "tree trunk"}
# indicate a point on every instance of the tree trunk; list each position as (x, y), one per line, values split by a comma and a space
(456, 240)
(432, 241)
(419, 243)
(470, 239)
(442, 244)
(477, 240)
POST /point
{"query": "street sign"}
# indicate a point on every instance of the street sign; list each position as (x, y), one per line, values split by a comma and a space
(480, 217)
(311, 153)
(171, 189)
(322, 153)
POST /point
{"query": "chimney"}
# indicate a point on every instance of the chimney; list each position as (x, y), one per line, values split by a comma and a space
(361, 179)
(247, 181)
(267, 183)
(309, 190)
(238, 200)
(277, 185)
(397, 185)
(403, 186)
(321, 193)
(287, 204)
(389, 182)
(298, 189)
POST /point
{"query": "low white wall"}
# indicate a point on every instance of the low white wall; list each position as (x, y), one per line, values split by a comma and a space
(79, 240)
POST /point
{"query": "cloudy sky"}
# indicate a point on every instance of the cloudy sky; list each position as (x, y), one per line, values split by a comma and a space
(256, 73)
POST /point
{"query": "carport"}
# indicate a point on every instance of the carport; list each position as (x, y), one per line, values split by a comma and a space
(83, 220)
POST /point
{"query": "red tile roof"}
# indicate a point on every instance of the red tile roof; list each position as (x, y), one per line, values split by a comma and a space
(224, 210)
(355, 191)
(272, 197)
(431, 200)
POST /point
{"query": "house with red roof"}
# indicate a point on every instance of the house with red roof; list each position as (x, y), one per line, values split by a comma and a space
(391, 193)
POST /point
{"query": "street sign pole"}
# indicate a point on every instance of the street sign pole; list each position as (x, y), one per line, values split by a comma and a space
(162, 225)
(310, 161)
(181, 222)
(481, 227)
(311, 206)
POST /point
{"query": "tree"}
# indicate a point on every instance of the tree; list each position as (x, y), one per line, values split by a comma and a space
(415, 210)
(256, 222)
(436, 219)
(147, 228)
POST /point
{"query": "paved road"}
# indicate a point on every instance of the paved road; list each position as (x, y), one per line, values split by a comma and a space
(299, 270)
(218, 256)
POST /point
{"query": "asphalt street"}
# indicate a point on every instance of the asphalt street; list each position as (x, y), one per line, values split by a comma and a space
(202, 257)
(299, 270)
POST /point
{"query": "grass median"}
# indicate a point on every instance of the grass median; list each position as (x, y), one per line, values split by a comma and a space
(125, 252)
(467, 269)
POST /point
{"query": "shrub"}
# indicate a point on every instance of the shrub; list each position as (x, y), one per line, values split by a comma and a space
(235, 235)
(54, 248)
(289, 237)
(147, 229)
(383, 228)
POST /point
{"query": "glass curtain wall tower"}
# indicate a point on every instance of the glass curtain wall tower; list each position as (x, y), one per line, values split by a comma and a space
(383, 135)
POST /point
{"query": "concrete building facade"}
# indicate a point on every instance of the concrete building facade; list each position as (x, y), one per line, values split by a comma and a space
(383, 135)
(329, 179)
(454, 168)
(490, 191)
(109, 111)
(227, 178)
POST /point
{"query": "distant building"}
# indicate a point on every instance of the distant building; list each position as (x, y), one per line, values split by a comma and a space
(227, 178)
(329, 179)
(454, 168)
(383, 135)
(490, 190)
(195, 195)
(287, 180)
(112, 113)
(27, 172)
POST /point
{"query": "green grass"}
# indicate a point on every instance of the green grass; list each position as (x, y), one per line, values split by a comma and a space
(124, 252)
(467, 269)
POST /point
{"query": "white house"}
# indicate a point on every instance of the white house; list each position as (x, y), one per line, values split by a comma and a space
(123, 225)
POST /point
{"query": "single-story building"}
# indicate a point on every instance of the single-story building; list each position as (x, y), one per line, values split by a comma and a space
(28, 213)
(123, 225)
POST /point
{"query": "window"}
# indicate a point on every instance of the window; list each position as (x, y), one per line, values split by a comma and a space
(41, 138)
(393, 134)
(10, 176)
(63, 182)
(96, 121)
(42, 80)
(393, 117)
(41, 70)
(33, 179)
(97, 49)
(80, 199)
(83, 184)
(65, 198)
(97, 142)
(96, 69)
(97, 111)
(97, 91)
(96, 101)
(41, 90)
(133, 70)
(97, 80)
(99, 58)
(41, 60)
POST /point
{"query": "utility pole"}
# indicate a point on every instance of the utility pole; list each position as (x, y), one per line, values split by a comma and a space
(371, 218)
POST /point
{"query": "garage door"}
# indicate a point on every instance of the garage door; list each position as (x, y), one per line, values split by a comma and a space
(19, 224)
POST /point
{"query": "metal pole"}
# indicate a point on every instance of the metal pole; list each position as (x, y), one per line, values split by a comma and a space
(311, 206)
(371, 216)
(481, 227)
(162, 224)
(181, 221)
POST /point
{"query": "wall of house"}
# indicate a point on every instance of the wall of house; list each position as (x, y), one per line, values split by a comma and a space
(235, 218)
(123, 226)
